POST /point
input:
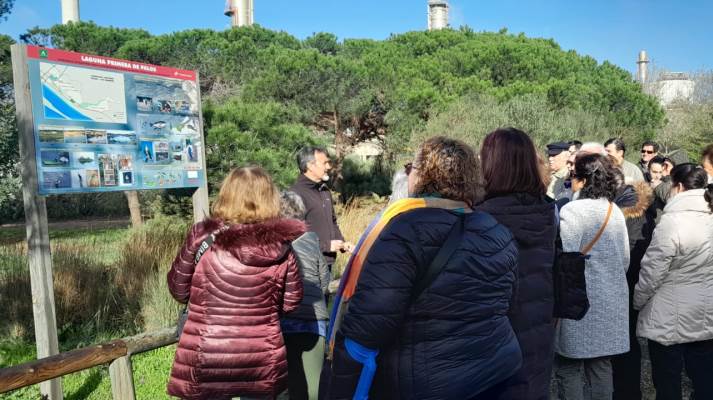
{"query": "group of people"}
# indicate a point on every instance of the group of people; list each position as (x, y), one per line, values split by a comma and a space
(449, 293)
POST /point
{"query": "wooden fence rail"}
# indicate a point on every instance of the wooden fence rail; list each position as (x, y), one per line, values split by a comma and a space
(117, 352)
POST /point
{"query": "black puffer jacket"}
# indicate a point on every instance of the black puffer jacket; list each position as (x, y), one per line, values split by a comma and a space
(634, 202)
(532, 221)
(455, 340)
(319, 215)
(315, 278)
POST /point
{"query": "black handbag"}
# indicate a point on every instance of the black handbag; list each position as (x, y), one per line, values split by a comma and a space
(570, 284)
(202, 249)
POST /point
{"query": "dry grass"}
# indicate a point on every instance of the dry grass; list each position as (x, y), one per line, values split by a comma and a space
(96, 294)
(146, 258)
(353, 219)
(79, 300)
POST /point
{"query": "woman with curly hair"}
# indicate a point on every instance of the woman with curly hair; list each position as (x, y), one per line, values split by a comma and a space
(584, 348)
(428, 319)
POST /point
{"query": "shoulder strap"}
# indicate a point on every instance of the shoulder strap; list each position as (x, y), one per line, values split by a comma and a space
(441, 258)
(205, 244)
(594, 241)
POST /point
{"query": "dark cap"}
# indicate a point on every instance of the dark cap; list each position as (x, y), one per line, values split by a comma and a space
(555, 148)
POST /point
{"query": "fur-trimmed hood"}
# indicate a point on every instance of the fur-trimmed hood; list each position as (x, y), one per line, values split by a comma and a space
(634, 200)
(261, 244)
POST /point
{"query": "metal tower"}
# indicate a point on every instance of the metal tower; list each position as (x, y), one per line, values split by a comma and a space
(643, 67)
(240, 12)
(70, 11)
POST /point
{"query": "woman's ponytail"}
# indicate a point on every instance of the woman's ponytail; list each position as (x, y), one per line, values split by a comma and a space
(693, 176)
(708, 195)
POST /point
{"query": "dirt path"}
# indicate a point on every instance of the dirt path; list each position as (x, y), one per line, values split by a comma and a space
(84, 223)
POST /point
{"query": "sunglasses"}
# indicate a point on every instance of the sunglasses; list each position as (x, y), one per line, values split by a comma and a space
(647, 152)
(408, 167)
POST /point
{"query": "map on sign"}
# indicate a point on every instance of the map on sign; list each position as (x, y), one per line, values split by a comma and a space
(82, 94)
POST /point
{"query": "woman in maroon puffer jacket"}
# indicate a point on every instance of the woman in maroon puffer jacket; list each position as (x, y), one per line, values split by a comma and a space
(232, 344)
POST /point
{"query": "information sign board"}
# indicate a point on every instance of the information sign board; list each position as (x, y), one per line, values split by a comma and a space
(104, 124)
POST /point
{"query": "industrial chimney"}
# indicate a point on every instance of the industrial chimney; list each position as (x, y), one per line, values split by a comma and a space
(643, 67)
(70, 11)
(240, 12)
(437, 14)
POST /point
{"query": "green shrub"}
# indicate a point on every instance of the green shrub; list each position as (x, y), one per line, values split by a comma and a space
(471, 118)
(361, 178)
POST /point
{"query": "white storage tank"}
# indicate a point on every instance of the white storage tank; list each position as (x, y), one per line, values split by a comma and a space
(437, 14)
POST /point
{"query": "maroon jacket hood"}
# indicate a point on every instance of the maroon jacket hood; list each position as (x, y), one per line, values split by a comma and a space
(261, 244)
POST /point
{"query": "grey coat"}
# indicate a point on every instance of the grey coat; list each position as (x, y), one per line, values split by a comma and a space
(632, 173)
(315, 278)
(604, 330)
(675, 288)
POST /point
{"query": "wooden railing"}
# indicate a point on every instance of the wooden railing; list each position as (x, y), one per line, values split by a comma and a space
(117, 353)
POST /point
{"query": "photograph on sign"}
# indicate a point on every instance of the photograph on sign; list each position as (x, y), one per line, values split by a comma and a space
(54, 158)
(52, 135)
(103, 124)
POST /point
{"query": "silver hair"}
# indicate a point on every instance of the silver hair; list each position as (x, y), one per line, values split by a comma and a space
(307, 155)
(399, 186)
(592, 148)
(291, 205)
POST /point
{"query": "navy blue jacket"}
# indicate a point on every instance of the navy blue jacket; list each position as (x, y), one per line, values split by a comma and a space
(532, 221)
(455, 340)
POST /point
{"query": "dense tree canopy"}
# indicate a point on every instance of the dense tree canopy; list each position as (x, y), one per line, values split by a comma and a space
(343, 92)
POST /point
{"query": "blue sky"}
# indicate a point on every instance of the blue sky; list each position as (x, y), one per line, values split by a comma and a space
(677, 35)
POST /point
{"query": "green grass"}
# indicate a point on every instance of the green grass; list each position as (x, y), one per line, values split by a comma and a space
(103, 241)
(151, 372)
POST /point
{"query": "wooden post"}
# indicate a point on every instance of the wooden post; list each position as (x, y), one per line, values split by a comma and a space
(122, 379)
(38, 242)
(201, 203)
(132, 197)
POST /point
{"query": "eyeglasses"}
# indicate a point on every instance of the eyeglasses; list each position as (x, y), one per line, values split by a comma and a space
(647, 151)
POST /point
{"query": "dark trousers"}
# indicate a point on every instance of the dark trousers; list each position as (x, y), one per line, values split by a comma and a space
(305, 355)
(667, 363)
(587, 378)
(627, 366)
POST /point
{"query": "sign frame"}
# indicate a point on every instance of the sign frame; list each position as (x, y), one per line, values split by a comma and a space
(104, 124)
